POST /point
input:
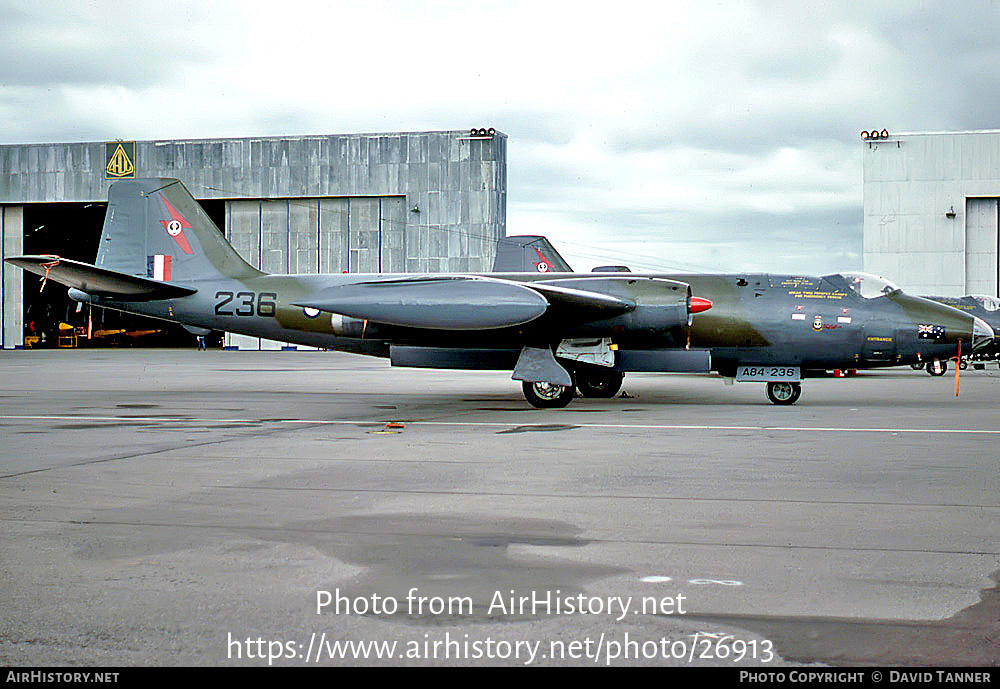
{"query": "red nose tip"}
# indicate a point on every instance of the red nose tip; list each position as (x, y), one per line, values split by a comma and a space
(699, 304)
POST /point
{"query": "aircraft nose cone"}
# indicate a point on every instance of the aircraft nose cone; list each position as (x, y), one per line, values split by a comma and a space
(982, 333)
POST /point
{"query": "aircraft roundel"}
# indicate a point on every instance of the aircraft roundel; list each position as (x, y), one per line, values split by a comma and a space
(175, 226)
(543, 265)
(310, 312)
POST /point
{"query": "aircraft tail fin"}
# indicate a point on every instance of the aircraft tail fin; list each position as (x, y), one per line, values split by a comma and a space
(528, 253)
(155, 229)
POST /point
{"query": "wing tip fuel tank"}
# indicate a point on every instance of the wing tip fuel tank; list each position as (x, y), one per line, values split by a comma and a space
(445, 304)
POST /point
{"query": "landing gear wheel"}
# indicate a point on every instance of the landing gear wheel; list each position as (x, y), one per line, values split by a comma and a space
(783, 393)
(963, 364)
(548, 395)
(599, 383)
(941, 371)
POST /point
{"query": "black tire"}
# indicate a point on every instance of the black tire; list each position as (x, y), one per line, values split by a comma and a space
(547, 395)
(962, 365)
(782, 393)
(944, 368)
(603, 384)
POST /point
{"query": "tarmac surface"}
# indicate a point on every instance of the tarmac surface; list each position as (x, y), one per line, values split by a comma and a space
(176, 508)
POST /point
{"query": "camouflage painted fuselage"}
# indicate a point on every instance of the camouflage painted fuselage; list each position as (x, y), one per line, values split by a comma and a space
(811, 322)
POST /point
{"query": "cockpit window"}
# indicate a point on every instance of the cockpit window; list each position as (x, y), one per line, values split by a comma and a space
(989, 303)
(869, 286)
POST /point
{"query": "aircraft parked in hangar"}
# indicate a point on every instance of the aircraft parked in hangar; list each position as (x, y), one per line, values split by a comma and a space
(161, 256)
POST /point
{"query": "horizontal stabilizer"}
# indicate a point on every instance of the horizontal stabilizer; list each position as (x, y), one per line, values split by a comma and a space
(99, 281)
(443, 303)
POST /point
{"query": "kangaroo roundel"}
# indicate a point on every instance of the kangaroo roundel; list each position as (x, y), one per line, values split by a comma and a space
(176, 225)
(543, 265)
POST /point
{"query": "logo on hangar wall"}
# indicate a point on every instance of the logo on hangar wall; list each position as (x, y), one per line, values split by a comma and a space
(119, 160)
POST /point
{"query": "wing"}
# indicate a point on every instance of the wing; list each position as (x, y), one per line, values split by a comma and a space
(99, 281)
(460, 302)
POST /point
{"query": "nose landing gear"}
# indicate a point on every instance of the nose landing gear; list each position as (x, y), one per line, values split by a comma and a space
(783, 393)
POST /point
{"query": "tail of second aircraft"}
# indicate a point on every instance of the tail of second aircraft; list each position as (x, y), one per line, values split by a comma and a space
(528, 253)
(155, 229)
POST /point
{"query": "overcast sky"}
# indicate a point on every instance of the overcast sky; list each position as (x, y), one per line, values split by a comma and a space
(691, 136)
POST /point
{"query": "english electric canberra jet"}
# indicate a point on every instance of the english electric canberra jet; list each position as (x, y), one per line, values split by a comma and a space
(161, 256)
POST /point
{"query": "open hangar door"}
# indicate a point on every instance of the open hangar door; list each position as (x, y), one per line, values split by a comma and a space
(73, 230)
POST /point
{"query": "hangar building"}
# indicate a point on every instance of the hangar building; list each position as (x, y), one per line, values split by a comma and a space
(395, 202)
(930, 211)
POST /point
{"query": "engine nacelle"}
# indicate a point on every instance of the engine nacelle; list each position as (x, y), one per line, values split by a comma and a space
(661, 305)
(345, 326)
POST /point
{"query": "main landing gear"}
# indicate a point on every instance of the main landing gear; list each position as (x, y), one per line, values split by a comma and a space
(604, 384)
(548, 395)
(783, 393)
(590, 383)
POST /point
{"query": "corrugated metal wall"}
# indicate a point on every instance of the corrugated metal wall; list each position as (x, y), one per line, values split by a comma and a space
(395, 202)
(356, 235)
(930, 211)
(12, 284)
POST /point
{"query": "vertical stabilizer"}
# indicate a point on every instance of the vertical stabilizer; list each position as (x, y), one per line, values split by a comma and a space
(154, 228)
(528, 253)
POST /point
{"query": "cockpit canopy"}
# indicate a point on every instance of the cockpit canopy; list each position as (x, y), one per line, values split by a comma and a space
(989, 303)
(866, 285)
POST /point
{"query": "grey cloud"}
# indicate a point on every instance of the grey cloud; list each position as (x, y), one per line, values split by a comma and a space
(557, 128)
(78, 44)
(810, 241)
(783, 77)
(37, 116)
